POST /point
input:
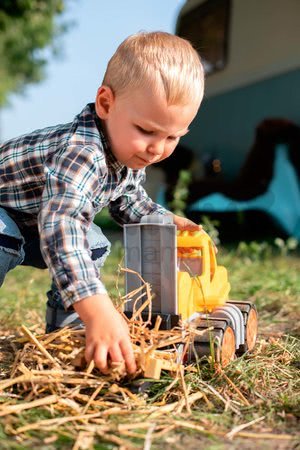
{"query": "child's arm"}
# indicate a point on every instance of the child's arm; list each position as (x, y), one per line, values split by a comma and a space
(107, 334)
(67, 209)
(134, 203)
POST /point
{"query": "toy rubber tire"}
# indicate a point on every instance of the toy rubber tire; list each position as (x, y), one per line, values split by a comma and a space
(224, 346)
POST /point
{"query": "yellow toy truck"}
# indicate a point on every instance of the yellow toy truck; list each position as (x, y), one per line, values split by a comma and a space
(190, 286)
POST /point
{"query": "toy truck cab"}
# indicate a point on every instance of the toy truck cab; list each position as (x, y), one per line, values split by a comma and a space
(202, 285)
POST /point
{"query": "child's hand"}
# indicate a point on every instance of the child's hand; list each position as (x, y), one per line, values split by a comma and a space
(107, 334)
(183, 223)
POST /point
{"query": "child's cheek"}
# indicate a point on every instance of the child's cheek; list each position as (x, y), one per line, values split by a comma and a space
(137, 144)
(169, 150)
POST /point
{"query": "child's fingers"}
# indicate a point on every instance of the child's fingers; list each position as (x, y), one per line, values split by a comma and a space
(89, 353)
(100, 358)
(188, 225)
(191, 226)
(116, 354)
(128, 355)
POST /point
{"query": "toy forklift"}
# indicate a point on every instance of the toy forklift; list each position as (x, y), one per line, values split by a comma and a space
(188, 286)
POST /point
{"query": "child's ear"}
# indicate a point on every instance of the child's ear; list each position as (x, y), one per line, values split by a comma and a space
(104, 101)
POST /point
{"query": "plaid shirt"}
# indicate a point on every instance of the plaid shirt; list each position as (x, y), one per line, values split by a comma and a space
(58, 178)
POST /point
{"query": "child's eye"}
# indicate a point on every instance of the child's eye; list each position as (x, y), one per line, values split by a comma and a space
(173, 138)
(142, 130)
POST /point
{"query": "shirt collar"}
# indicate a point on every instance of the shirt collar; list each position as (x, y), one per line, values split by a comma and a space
(111, 159)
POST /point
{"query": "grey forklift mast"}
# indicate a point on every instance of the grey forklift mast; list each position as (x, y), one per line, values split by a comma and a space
(150, 250)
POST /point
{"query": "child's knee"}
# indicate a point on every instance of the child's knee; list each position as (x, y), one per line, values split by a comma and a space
(11, 244)
(11, 254)
(99, 245)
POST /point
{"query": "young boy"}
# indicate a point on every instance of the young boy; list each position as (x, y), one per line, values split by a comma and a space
(53, 182)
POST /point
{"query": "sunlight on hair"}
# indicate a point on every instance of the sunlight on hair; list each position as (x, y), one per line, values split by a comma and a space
(159, 61)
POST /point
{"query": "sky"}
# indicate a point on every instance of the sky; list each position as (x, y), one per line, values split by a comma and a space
(72, 79)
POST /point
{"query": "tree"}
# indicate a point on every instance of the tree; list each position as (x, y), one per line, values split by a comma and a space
(26, 28)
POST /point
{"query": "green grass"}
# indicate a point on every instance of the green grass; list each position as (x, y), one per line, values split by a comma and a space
(268, 378)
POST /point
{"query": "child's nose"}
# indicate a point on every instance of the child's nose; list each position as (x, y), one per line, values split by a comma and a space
(156, 148)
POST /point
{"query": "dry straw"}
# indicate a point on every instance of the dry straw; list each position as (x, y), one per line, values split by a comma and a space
(49, 372)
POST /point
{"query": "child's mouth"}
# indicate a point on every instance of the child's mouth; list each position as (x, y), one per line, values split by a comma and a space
(143, 160)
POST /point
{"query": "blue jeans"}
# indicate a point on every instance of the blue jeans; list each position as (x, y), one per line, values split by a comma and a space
(17, 249)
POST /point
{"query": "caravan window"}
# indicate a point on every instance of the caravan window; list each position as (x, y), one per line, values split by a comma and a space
(207, 27)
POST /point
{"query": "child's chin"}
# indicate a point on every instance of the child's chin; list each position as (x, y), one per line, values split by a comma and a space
(137, 164)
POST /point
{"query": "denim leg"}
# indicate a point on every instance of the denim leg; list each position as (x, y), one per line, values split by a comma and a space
(56, 316)
(11, 244)
(33, 256)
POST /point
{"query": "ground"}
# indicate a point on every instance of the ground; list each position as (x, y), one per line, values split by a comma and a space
(263, 387)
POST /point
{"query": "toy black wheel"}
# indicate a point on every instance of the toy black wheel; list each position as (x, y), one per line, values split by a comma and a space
(218, 343)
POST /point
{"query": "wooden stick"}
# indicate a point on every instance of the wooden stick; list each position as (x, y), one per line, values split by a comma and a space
(143, 294)
(148, 437)
(141, 309)
(184, 388)
(12, 409)
(134, 273)
(157, 323)
(148, 290)
(133, 426)
(55, 422)
(38, 344)
(242, 397)
(243, 426)
(214, 391)
(192, 398)
(123, 445)
(90, 367)
(280, 437)
(92, 398)
(85, 439)
(10, 382)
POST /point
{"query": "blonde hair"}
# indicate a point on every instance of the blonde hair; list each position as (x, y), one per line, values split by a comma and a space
(157, 60)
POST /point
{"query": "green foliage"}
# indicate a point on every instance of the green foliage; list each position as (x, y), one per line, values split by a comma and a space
(254, 251)
(286, 246)
(181, 192)
(260, 251)
(104, 220)
(26, 27)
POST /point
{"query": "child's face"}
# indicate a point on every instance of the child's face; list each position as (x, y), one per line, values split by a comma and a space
(141, 127)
